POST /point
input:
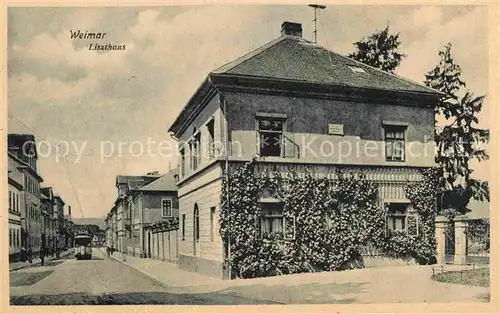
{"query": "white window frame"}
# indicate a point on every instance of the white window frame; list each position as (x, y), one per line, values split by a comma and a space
(162, 207)
(271, 116)
(393, 124)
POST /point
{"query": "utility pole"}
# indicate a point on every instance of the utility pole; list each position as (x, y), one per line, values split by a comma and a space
(316, 7)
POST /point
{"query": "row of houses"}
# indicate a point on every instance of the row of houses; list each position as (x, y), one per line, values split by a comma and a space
(290, 104)
(37, 215)
(143, 221)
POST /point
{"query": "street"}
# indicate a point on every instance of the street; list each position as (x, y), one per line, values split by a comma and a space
(99, 281)
(104, 280)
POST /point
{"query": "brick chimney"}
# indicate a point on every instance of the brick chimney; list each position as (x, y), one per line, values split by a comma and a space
(291, 29)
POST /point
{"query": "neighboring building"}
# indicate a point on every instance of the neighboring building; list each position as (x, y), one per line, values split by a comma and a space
(122, 211)
(279, 105)
(157, 220)
(16, 205)
(111, 229)
(22, 152)
(48, 220)
(70, 229)
(60, 224)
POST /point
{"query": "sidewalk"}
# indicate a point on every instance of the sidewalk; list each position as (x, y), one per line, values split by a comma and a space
(368, 285)
(36, 261)
(168, 274)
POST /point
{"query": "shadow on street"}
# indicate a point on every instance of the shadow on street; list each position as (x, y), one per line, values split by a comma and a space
(28, 278)
(133, 298)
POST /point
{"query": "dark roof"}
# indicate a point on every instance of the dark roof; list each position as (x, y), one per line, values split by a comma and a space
(16, 141)
(167, 182)
(125, 179)
(57, 197)
(298, 59)
(47, 191)
(135, 184)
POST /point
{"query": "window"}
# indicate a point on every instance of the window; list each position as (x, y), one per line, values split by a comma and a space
(271, 220)
(270, 136)
(211, 136)
(183, 162)
(18, 238)
(10, 237)
(195, 151)
(396, 216)
(183, 227)
(356, 69)
(10, 200)
(166, 206)
(395, 143)
(196, 223)
(212, 223)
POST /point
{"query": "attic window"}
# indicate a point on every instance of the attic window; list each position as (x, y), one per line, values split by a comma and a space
(356, 69)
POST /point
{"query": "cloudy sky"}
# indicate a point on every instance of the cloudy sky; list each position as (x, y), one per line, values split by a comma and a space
(64, 93)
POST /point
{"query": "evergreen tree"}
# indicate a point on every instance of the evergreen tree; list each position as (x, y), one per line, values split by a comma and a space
(459, 140)
(380, 50)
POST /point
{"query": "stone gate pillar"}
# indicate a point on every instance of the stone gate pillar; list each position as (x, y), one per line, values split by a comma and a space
(440, 224)
(461, 223)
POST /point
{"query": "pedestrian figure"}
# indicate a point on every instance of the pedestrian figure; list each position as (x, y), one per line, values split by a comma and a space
(30, 256)
(42, 255)
(23, 254)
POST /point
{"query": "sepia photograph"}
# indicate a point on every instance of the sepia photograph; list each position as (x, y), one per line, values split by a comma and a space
(315, 153)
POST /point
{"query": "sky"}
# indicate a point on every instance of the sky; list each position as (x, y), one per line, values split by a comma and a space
(92, 101)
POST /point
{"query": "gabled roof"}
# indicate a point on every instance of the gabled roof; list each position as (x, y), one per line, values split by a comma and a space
(298, 59)
(164, 183)
(134, 184)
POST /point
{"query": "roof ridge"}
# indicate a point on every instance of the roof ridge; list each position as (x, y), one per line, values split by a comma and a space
(249, 55)
(382, 71)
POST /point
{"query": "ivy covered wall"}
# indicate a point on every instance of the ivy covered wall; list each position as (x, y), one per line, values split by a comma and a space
(326, 223)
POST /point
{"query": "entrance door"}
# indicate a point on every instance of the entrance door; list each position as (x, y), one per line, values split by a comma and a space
(149, 244)
(196, 229)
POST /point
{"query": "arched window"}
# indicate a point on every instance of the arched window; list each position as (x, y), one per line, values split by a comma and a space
(196, 222)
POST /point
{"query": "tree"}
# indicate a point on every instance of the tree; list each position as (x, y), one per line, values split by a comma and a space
(380, 50)
(459, 140)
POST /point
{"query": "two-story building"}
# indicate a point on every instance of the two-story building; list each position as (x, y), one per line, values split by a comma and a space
(22, 147)
(159, 217)
(122, 208)
(292, 104)
(48, 220)
(16, 204)
(59, 243)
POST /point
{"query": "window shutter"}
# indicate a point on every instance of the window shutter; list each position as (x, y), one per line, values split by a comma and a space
(290, 147)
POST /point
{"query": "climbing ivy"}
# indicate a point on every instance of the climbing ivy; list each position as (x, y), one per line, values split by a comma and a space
(326, 222)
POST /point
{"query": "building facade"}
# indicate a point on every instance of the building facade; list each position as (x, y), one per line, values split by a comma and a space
(122, 210)
(292, 104)
(48, 220)
(158, 218)
(16, 204)
(22, 152)
(60, 224)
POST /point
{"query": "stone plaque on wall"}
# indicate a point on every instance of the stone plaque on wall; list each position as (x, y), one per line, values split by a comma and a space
(335, 129)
